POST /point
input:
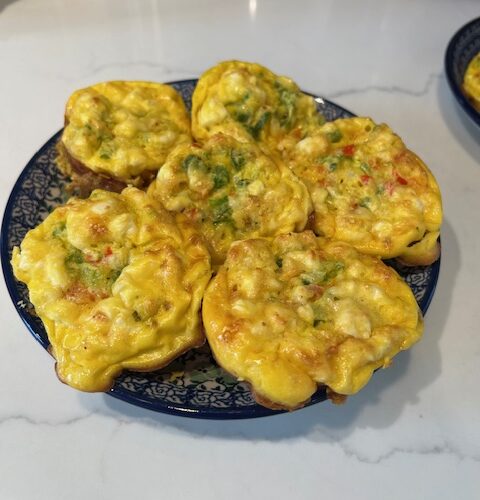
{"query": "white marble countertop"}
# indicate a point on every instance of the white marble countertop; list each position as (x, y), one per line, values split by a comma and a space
(414, 431)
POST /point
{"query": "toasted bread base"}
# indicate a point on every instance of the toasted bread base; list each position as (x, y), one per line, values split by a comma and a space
(85, 180)
(146, 369)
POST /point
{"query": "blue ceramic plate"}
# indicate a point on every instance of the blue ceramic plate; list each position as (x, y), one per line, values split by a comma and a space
(463, 46)
(193, 385)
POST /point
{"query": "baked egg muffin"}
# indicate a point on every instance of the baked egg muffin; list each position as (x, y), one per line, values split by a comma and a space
(119, 133)
(117, 285)
(250, 102)
(471, 81)
(294, 312)
(369, 190)
(231, 190)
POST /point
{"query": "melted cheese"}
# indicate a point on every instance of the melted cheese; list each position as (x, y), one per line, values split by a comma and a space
(123, 129)
(248, 101)
(297, 311)
(231, 191)
(367, 188)
(117, 285)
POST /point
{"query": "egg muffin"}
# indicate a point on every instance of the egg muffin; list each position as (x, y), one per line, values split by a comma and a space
(250, 102)
(291, 313)
(369, 190)
(117, 285)
(119, 133)
(231, 190)
(471, 81)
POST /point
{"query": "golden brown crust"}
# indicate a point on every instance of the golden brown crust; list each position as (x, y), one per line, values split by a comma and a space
(259, 398)
(368, 189)
(117, 283)
(335, 398)
(423, 253)
(291, 314)
(150, 368)
(262, 400)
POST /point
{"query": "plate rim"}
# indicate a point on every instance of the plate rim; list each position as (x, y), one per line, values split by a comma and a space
(456, 89)
(7, 270)
(118, 392)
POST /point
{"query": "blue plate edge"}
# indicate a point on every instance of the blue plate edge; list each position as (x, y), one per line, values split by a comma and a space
(465, 104)
(7, 270)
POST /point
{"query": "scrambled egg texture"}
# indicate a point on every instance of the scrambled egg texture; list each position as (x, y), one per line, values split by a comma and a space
(231, 190)
(298, 311)
(117, 284)
(249, 102)
(123, 129)
(369, 190)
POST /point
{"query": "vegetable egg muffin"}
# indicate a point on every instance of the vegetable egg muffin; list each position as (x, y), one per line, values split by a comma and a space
(369, 190)
(248, 101)
(231, 190)
(119, 133)
(116, 284)
(471, 81)
(298, 311)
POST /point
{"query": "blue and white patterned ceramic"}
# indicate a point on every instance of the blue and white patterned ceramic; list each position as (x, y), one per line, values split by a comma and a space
(463, 46)
(193, 385)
